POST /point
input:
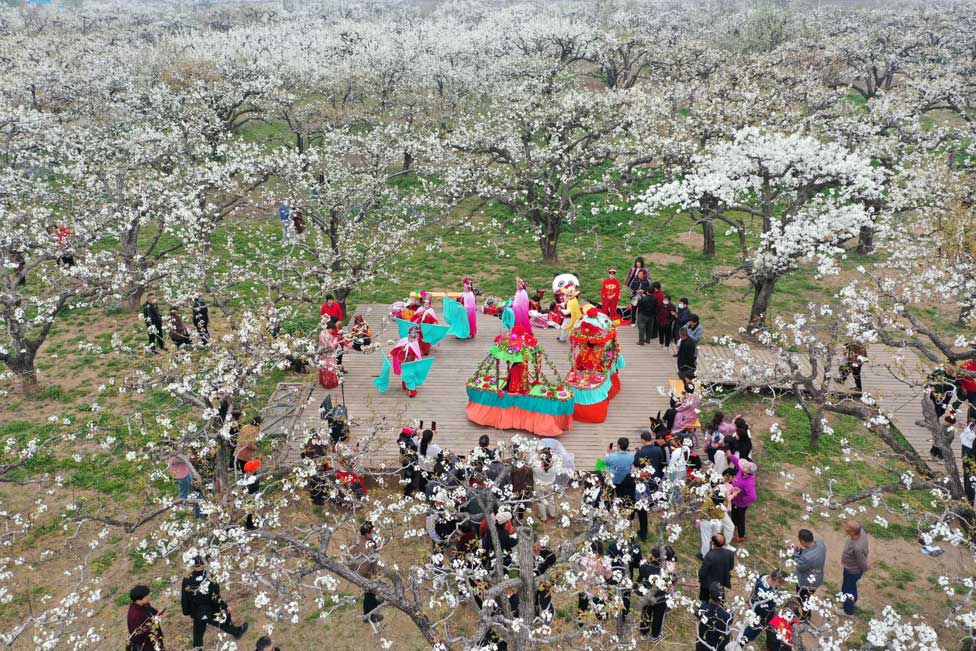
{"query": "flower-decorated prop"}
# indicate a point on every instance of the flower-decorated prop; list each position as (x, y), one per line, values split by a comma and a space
(595, 359)
(524, 397)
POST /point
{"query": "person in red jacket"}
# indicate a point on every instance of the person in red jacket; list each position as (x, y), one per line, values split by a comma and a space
(659, 295)
(779, 631)
(665, 321)
(331, 307)
(145, 633)
(610, 293)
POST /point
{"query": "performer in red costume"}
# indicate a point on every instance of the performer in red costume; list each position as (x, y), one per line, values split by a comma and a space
(425, 314)
(408, 349)
(610, 293)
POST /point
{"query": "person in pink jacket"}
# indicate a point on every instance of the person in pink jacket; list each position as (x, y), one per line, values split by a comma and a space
(745, 494)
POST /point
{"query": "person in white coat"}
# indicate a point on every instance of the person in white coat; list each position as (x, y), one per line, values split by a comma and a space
(544, 470)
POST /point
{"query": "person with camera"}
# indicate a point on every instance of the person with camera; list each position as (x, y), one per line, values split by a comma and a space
(265, 643)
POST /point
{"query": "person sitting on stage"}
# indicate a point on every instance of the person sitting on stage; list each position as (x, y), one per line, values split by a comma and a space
(362, 334)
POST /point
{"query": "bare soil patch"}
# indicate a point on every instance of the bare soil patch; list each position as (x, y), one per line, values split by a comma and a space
(691, 239)
(662, 259)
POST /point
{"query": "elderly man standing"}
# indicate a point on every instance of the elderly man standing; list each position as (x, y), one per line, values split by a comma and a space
(810, 556)
(854, 560)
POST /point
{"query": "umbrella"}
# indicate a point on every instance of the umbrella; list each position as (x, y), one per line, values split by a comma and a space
(568, 459)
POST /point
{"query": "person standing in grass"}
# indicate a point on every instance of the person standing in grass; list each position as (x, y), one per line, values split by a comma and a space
(202, 603)
(714, 621)
(331, 308)
(145, 633)
(154, 323)
(639, 286)
(619, 463)
(284, 216)
(854, 561)
(201, 320)
(635, 269)
(745, 484)
(810, 556)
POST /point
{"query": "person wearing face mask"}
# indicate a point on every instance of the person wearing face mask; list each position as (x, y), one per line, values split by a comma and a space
(665, 321)
(682, 314)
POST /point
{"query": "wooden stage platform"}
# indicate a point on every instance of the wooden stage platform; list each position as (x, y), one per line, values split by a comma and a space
(644, 391)
(443, 398)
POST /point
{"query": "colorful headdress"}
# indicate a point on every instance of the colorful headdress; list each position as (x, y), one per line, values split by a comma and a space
(520, 284)
(414, 330)
(564, 282)
(425, 299)
(467, 283)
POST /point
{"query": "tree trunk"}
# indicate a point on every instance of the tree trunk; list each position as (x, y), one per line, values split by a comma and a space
(133, 301)
(967, 313)
(763, 292)
(22, 365)
(816, 427)
(224, 456)
(942, 438)
(708, 235)
(549, 239)
(526, 591)
(865, 241)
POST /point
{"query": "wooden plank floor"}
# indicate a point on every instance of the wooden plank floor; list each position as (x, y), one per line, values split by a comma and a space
(443, 397)
(882, 376)
(643, 392)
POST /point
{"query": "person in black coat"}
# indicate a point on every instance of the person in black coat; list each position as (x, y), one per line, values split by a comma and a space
(650, 459)
(201, 319)
(714, 622)
(652, 614)
(682, 314)
(545, 559)
(154, 323)
(744, 440)
(716, 567)
(646, 315)
(201, 601)
(687, 354)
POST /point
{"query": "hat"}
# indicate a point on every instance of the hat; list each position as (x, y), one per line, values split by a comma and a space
(502, 517)
(252, 465)
(178, 467)
(716, 591)
(748, 466)
(467, 283)
(406, 431)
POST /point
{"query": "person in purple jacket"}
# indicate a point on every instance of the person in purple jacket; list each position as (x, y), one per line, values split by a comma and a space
(744, 487)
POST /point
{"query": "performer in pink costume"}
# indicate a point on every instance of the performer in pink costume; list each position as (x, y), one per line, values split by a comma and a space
(520, 306)
(471, 305)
